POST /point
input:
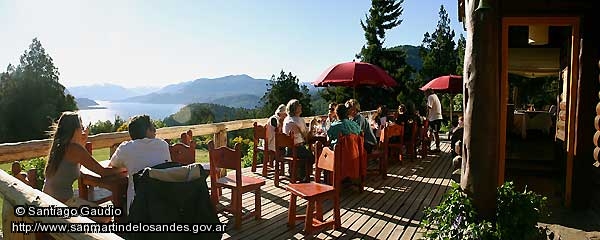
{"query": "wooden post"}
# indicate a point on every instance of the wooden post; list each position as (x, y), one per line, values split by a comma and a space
(479, 176)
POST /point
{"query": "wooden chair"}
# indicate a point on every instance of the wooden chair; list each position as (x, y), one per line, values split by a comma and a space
(184, 152)
(424, 142)
(88, 192)
(380, 153)
(227, 158)
(261, 132)
(29, 177)
(315, 193)
(394, 130)
(411, 144)
(282, 141)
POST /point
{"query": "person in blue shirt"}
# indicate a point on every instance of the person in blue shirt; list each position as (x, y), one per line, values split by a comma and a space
(354, 114)
(342, 125)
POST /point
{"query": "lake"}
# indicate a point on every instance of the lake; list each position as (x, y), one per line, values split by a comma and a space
(125, 110)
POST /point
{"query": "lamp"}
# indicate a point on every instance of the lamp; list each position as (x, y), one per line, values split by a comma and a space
(538, 35)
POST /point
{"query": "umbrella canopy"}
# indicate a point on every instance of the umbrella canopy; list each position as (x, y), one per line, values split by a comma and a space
(445, 84)
(354, 74)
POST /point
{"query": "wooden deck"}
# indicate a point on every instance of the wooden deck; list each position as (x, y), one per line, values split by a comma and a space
(387, 209)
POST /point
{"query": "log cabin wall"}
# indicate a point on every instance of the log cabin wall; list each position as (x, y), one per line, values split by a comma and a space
(586, 177)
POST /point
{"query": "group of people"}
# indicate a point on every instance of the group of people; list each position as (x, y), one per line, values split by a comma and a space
(68, 153)
(342, 119)
(69, 137)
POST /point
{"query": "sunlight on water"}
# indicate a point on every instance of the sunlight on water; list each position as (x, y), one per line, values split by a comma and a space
(125, 110)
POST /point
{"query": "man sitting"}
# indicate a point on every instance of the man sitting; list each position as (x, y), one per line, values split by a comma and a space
(354, 114)
(342, 125)
(143, 150)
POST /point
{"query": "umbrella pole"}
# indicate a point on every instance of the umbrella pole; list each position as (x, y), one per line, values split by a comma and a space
(451, 110)
(354, 92)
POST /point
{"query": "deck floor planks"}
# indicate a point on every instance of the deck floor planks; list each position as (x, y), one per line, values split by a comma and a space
(398, 199)
(353, 212)
(368, 210)
(393, 197)
(401, 211)
(424, 200)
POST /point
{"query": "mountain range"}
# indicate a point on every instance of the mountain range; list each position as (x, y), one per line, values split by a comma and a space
(232, 91)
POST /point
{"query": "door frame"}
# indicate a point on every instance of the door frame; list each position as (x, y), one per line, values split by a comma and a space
(574, 23)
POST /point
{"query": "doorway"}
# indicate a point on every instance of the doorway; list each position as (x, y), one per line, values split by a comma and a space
(538, 90)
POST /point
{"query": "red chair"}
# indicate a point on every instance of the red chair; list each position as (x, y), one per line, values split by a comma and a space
(261, 132)
(315, 193)
(379, 153)
(184, 152)
(412, 143)
(394, 130)
(282, 141)
(424, 142)
(29, 178)
(227, 158)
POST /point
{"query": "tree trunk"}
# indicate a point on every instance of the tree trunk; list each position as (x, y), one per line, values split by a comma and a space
(482, 106)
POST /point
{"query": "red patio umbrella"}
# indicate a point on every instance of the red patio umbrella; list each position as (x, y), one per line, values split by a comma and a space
(445, 84)
(451, 84)
(354, 74)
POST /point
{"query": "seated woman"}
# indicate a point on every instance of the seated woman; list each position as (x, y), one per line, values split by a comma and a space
(294, 123)
(66, 156)
(343, 125)
(379, 120)
(456, 136)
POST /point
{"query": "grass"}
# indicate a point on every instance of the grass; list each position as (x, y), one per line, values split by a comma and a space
(101, 155)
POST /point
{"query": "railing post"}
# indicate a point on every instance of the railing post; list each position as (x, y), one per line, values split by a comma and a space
(220, 140)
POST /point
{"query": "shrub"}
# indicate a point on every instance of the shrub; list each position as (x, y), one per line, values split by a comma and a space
(247, 149)
(517, 214)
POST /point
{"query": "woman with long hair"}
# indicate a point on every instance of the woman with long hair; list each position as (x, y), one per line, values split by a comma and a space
(66, 156)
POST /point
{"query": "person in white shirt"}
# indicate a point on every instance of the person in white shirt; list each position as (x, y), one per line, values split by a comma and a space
(294, 123)
(274, 124)
(434, 108)
(144, 150)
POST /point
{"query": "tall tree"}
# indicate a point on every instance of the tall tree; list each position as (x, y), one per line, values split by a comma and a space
(282, 89)
(383, 15)
(460, 50)
(31, 97)
(437, 50)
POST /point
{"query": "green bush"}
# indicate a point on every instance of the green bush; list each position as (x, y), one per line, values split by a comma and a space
(247, 149)
(517, 214)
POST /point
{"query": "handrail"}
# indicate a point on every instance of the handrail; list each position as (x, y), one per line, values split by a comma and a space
(10, 152)
(16, 193)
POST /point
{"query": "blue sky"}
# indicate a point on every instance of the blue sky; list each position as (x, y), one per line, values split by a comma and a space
(156, 43)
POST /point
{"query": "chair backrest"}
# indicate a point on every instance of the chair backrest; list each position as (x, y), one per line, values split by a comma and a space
(225, 158)
(185, 151)
(260, 132)
(415, 131)
(282, 141)
(349, 148)
(182, 153)
(393, 130)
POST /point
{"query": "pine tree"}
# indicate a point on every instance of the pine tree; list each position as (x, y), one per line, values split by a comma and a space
(383, 15)
(460, 50)
(281, 90)
(31, 98)
(437, 49)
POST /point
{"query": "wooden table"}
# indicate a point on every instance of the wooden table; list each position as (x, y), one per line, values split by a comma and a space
(117, 184)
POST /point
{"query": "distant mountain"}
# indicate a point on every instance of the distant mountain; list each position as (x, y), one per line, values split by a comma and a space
(108, 92)
(247, 101)
(224, 90)
(412, 56)
(85, 103)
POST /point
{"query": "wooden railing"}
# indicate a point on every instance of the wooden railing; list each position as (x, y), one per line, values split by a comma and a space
(16, 192)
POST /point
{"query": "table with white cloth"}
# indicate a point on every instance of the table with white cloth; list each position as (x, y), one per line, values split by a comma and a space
(532, 120)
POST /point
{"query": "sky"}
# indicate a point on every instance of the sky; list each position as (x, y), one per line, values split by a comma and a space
(156, 43)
